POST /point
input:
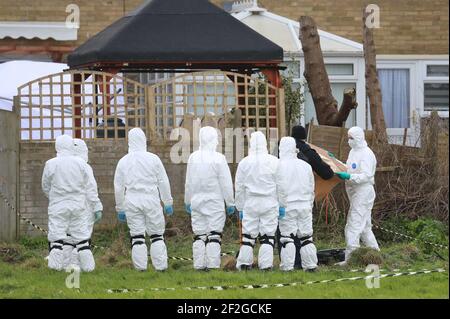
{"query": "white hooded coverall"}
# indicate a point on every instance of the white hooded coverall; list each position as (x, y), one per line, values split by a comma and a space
(361, 165)
(296, 183)
(67, 182)
(208, 186)
(140, 181)
(257, 196)
(71, 257)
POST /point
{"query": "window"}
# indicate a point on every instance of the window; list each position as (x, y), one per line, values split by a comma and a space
(435, 88)
(340, 69)
(436, 97)
(437, 70)
(395, 91)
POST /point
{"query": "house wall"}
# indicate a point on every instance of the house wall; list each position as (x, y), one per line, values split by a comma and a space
(407, 27)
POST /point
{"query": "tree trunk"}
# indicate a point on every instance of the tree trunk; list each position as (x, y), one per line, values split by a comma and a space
(319, 85)
(373, 85)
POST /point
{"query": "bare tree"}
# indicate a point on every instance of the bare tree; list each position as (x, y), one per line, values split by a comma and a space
(319, 85)
(373, 85)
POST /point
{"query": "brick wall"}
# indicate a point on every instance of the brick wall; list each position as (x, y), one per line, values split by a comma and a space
(103, 157)
(407, 27)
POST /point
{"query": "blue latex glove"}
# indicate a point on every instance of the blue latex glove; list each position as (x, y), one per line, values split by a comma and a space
(98, 216)
(230, 210)
(241, 215)
(122, 217)
(331, 155)
(169, 210)
(343, 175)
(281, 213)
(187, 208)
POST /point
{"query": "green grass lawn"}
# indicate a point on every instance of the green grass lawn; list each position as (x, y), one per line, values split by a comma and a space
(23, 274)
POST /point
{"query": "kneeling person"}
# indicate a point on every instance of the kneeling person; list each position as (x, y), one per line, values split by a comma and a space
(296, 184)
(93, 209)
(208, 186)
(257, 200)
(140, 181)
(67, 183)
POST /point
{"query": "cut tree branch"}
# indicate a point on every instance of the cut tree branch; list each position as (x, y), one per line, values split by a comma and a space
(373, 85)
(319, 85)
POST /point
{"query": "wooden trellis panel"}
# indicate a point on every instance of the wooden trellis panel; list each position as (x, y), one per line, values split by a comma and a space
(213, 93)
(97, 105)
(88, 105)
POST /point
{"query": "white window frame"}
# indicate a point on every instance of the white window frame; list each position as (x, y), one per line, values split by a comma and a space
(430, 79)
(414, 110)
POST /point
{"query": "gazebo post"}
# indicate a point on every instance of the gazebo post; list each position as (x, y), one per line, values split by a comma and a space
(274, 78)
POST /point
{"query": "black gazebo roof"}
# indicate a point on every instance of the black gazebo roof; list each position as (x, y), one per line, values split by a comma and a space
(174, 34)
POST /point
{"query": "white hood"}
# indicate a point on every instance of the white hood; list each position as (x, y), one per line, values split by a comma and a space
(64, 145)
(137, 142)
(208, 138)
(80, 149)
(359, 140)
(258, 144)
(288, 148)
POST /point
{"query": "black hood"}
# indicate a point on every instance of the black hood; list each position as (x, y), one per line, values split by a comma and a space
(299, 133)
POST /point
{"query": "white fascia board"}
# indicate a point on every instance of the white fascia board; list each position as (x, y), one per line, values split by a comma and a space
(41, 30)
(439, 57)
(331, 36)
(241, 15)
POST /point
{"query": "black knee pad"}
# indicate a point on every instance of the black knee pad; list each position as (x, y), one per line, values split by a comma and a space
(155, 238)
(291, 236)
(267, 240)
(137, 240)
(304, 241)
(201, 237)
(84, 245)
(57, 244)
(250, 240)
(216, 238)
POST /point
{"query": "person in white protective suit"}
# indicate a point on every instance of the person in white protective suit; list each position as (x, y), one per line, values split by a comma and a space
(208, 188)
(67, 182)
(296, 183)
(93, 212)
(258, 203)
(360, 180)
(140, 181)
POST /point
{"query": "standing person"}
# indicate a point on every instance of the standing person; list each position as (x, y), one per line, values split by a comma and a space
(67, 183)
(309, 155)
(140, 181)
(360, 178)
(208, 186)
(258, 203)
(93, 210)
(322, 169)
(296, 181)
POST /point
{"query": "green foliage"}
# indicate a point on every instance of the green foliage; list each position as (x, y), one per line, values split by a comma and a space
(428, 230)
(24, 272)
(293, 100)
